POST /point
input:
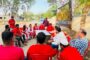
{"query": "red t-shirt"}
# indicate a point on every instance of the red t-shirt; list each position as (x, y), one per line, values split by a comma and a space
(70, 53)
(11, 53)
(68, 37)
(17, 32)
(35, 28)
(42, 27)
(50, 29)
(11, 23)
(41, 50)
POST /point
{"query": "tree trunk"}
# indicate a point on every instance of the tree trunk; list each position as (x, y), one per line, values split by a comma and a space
(70, 20)
(84, 16)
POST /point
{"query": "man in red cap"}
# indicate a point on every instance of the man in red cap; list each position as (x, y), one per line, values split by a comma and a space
(11, 23)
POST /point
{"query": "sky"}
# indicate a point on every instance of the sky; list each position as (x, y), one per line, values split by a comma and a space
(40, 6)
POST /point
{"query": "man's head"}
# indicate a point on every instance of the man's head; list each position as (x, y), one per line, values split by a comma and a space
(12, 17)
(45, 18)
(58, 29)
(17, 25)
(50, 23)
(7, 27)
(30, 25)
(41, 37)
(35, 24)
(82, 33)
(7, 37)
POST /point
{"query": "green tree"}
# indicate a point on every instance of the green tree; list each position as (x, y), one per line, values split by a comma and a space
(51, 12)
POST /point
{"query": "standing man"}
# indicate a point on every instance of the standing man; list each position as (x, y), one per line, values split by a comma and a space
(11, 23)
(46, 22)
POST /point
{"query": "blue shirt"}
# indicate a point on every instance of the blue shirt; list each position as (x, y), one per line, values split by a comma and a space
(80, 44)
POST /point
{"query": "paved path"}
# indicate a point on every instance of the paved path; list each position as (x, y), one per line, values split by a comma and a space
(30, 42)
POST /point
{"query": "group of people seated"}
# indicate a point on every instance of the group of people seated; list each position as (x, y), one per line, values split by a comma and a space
(73, 50)
(59, 46)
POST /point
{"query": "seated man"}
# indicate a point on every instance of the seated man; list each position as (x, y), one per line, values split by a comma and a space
(41, 27)
(8, 51)
(69, 53)
(30, 31)
(51, 30)
(18, 35)
(60, 36)
(81, 42)
(41, 51)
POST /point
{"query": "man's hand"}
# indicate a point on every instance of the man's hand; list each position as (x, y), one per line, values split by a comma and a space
(50, 41)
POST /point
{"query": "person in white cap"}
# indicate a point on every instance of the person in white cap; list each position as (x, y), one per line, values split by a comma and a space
(60, 37)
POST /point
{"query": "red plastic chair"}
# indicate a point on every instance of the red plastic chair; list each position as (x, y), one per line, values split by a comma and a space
(86, 51)
(40, 57)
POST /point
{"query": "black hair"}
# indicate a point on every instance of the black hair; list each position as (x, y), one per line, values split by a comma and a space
(58, 28)
(41, 37)
(6, 26)
(7, 37)
(17, 25)
(12, 17)
(24, 27)
(84, 32)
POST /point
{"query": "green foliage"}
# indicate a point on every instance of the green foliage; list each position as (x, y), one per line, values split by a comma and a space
(64, 14)
(51, 12)
(80, 4)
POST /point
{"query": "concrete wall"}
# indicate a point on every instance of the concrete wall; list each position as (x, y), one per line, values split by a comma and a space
(76, 25)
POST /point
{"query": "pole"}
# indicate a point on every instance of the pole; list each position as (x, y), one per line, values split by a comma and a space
(70, 11)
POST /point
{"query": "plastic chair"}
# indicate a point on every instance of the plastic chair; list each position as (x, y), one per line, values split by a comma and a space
(86, 51)
(40, 57)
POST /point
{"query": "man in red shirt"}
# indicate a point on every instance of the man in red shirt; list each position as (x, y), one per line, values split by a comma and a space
(18, 34)
(69, 53)
(11, 23)
(42, 27)
(8, 51)
(50, 29)
(41, 51)
(30, 30)
(46, 22)
(34, 30)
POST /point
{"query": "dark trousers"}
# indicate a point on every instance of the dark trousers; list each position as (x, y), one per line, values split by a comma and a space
(19, 39)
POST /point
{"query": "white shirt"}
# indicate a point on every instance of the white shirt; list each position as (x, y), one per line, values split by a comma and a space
(60, 38)
(30, 30)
